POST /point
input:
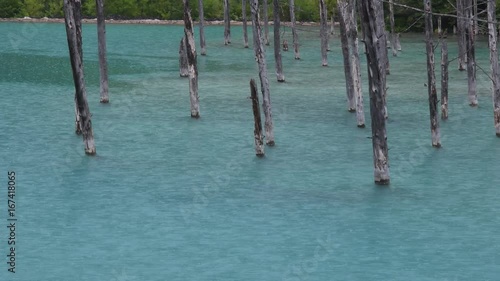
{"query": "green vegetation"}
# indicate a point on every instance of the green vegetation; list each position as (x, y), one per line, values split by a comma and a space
(307, 10)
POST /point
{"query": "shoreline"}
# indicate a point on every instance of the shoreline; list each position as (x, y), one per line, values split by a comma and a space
(144, 21)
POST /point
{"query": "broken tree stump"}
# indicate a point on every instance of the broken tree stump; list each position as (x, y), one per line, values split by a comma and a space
(259, 138)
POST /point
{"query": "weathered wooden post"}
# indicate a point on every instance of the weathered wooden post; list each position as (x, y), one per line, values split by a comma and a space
(323, 32)
(183, 60)
(444, 77)
(101, 38)
(393, 32)
(462, 50)
(294, 31)
(373, 34)
(203, 50)
(260, 57)
(431, 77)
(495, 72)
(192, 61)
(244, 18)
(352, 28)
(72, 19)
(277, 51)
(265, 11)
(227, 23)
(351, 101)
(471, 59)
(259, 138)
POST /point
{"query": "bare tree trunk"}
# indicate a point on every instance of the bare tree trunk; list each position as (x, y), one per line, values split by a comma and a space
(285, 45)
(352, 28)
(294, 30)
(373, 33)
(103, 64)
(398, 42)
(260, 57)
(476, 25)
(227, 23)
(431, 77)
(265, 10)
(203, 50)
(323, 32)
(462, 51)
(471, 59)
(495, 72)
(244, 17)
(444, 77)
(183, 60)
(393, 32)
(277, 51)
(72, 18)
(332, 24)
(351, 101)
(259, 138)
(192, 61)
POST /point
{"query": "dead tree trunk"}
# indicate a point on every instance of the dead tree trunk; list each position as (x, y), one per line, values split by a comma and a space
(103, 64)
(431, 77)
(393, 32)
(351, 101)
(332, 24)
(192, 61)
(462, 51)
(78, 120)
(277, 51)
(323, 32)
(352, 28)
(183, 61)
(259, 138)
(265, 11)
(444, 77)
(471, 58)
(439, 26)
(260, 57)
(495, 72)
(476, 24)
(203, 50)
(227, 23)
(244, 18)
(398, 42)
(72, 18)
(373, 33)
(294, 30)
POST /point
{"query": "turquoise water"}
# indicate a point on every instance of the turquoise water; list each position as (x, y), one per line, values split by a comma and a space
(171, 198)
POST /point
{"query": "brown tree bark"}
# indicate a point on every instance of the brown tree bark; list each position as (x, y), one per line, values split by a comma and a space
(103, 64)
(431, 76)
(495, 72)
(277, 51)
(374, 35)
(192, 61)
(72, 19)
(260, 57)
(258, 136)
(203, 50)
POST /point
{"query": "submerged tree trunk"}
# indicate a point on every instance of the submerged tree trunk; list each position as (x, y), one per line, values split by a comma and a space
(495, 72)
(203, 50)
(192, 64)
(103, 64)
(72, 18)
(352, 28)
(294, 31)
(373, 34)
(398, 42)
(259, 138)
(277, 51)
(351, 101)
(260, 57)
(183, 60)
(244, 17)
(431, 77)
(393, 32)
(227, 23)
(444, 77)
(462, 51)
(471, 59)
(332, 24)
(265, 11)
(323, 32)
